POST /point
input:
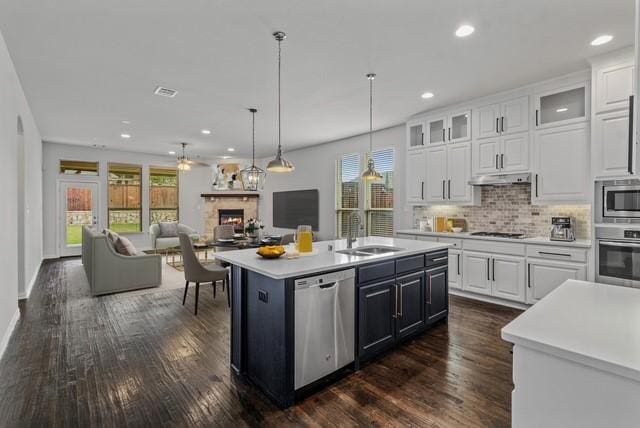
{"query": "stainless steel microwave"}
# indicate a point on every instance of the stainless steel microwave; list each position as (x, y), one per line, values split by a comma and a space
(618, 201)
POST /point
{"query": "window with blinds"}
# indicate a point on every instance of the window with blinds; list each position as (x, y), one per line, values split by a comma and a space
(379, 195)
(78, 167)
(163, 194)
(347, 191)
(125, 198)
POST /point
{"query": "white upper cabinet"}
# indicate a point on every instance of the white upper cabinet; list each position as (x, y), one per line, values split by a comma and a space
(486, 156)
(459, 172)
(501, 119)
(560, 164)
(614, 85)
(436, 174)
(459, 127)
(611, 144)
(437, 130)
(415, 134)
(416, 175)
(562, 106)
(514, 153)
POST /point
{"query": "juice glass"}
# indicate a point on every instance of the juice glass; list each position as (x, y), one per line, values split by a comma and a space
(304, 237)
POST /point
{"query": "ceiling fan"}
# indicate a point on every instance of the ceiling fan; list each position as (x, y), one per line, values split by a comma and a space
(184, 163)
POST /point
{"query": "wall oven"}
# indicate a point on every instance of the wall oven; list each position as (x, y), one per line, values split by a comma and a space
(618, 256)
(618, 201)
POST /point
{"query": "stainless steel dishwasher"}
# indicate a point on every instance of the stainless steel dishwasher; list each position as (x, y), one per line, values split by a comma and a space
(324, 325)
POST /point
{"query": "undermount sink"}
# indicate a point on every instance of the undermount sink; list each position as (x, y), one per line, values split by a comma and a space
(369, 250)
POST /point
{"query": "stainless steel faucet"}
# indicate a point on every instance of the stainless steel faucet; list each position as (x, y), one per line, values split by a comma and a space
(351, 239)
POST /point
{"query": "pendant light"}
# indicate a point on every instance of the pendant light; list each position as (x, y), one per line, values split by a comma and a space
(253, 177)
(279, 164)
(183, 161)
(370, 173)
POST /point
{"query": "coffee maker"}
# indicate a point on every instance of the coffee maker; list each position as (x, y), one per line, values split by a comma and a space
(563, 229)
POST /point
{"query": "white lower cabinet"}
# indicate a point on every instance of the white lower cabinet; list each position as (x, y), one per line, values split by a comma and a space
(545, 275)
(508, 277)
(475, 272)
(455, 269)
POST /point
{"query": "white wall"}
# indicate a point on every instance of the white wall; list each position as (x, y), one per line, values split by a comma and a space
(315, 169)
(13, 104)
(192, 184)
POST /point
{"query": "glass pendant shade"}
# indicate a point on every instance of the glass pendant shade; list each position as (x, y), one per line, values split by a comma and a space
(184, 166)
(253, 177)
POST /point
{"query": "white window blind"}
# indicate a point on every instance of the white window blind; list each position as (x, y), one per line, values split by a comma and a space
(379, 195)
(347, 190)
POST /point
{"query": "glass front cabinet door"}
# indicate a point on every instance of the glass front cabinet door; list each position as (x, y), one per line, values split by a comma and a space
(562, 106)
(415, 134)
(437, 130)
(459, 127)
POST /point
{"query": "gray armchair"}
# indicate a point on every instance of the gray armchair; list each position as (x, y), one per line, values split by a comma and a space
(159, 242)
(110, 272)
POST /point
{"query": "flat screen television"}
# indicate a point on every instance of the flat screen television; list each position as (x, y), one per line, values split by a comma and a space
(296, 207)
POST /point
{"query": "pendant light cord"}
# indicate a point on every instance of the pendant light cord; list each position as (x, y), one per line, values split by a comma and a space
(279, 114)
(371, 116)
(253, 137)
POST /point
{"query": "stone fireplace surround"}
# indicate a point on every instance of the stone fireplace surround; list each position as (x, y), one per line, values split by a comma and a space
(227, 200)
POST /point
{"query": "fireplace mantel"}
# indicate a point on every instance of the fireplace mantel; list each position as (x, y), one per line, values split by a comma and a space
(231, 194)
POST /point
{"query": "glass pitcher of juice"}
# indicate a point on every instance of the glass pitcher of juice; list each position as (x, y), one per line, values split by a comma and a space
(304, 239)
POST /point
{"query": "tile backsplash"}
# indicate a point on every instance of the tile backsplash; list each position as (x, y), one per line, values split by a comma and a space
(509, 209)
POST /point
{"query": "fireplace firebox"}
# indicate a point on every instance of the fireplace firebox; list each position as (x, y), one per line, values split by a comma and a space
(232, 217)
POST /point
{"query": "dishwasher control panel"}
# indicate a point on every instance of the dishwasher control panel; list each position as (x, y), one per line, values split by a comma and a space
(325, 278)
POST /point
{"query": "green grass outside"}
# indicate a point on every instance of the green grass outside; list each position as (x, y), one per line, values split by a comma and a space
(74, 231)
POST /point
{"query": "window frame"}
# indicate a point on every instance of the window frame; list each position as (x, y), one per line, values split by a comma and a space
(367, 209)
(115, 166)
(177, 186)
(339, 210)
(93, 173)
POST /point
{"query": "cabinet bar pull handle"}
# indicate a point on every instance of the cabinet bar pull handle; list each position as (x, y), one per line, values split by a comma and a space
(497, 165)
(444, 137)
(449, 134)
(630, 157)
(395, 313)
(493, 269)
(422, 139)
(400, 313)
(536, 117)
(554, 254)
(443, 184)
(502, 124)
(429, 302)
(488, 270)
(536, 185)
(439, 259)
(502, 161)
(449, 184)
(529, 275)
(422, 190)
(458, 264)
(497, 122)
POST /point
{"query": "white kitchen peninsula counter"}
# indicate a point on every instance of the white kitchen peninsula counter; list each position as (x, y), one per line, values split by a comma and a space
(576, 359)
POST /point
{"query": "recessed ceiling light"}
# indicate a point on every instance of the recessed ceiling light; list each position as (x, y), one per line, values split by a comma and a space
(427, 95)
(125, 136)
(601, 40)
(206, 131)
(231, 149)
(562, 110)
(126, 122)
(464, 30)
(172, 152)
(225, 157)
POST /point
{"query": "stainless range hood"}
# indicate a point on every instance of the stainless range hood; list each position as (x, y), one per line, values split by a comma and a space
(500, 180)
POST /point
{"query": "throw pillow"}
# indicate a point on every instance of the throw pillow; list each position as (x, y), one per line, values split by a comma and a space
(168, 230)
(111, 236)
(125, 247)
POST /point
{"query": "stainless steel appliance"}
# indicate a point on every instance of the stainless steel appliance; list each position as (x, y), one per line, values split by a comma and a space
(324, 325)
(500, 179)
(618, 255)
(500, 235)
(618, 201)
(563, 229)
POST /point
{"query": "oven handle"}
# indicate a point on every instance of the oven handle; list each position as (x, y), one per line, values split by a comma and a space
(619, 244)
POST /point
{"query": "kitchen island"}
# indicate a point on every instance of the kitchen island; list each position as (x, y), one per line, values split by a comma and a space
(298, 324)
(576, 358)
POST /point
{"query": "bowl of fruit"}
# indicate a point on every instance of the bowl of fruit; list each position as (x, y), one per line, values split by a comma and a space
(271, 251)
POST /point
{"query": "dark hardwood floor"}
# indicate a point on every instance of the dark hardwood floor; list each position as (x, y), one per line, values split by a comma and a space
(145, 360)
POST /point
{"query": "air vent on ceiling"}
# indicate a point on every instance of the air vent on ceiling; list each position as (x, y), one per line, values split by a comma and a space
(165, 92)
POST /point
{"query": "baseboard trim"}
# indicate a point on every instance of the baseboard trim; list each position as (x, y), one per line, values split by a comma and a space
(7, 333)
(489, 299)
(27, 291)
(50, 256)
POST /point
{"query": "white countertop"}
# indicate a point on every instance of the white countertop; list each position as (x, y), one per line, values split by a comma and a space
(578, 243)
(325, 260)
(593, 324)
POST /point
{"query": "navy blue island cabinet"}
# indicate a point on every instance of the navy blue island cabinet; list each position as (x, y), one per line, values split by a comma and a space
(388, 301)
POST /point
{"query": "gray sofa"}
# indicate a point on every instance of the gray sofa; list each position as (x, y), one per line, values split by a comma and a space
(110, 272)
(159, 242)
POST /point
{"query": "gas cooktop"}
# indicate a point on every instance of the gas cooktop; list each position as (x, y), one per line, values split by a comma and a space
(499, 235)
